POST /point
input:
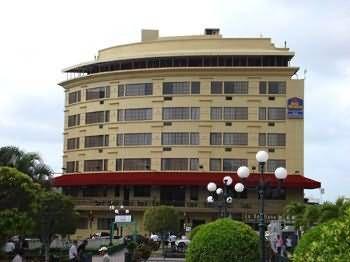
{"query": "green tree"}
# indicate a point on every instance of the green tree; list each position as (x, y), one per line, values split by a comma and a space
(161, 219)
(55, 215)
(27, 162)
(329, 241)
(18, 202)
(14, 222)
(224, 240)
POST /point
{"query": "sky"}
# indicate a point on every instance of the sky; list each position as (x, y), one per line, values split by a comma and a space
(40, 38)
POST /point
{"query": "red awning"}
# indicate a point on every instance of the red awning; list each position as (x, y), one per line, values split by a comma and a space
(175, 178)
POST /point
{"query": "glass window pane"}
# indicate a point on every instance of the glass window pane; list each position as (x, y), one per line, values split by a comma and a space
(215, 164)
(215, 113)
(215, 138)
(216, 87)
(195, 87)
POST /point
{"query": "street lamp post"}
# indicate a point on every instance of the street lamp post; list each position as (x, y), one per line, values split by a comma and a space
(118, 212)
(280, 173)
(222, 197)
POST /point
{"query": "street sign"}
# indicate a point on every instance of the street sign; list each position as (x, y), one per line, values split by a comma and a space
(122, 219)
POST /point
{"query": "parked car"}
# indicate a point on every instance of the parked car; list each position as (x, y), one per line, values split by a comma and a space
(182, 244)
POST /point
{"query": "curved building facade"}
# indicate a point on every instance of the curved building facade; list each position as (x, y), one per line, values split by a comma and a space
(153, 122)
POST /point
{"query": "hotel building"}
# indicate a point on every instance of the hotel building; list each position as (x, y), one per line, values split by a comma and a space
(151, 123)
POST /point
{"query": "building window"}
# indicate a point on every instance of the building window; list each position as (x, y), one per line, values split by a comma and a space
(72, 166)
(134, 139)
(195, 87)
(194, 163)
(82, 223)
(95, 191)
(273, 164)
(176, 163)
(215, 164)
(216, 87)
(140, 89)
(233, 164)
(273, 139)
(74, 120)
(215, 138)
(73, 143)
(236, 139)
(97, 92)
(133, 164)
(116, 191)
(180, 138)
(236, 87)
(104, 223)
(230, 87)
(74, 97)
(262, 113)
(135, 114)
(273, 113)
(96, 165)
(136, 164)
(194, 193)
(276, 113)
(272, 87)
(97, 117)
(96, 141)
(174, 88)
(142, 191)
(181, 113)
(216, 113)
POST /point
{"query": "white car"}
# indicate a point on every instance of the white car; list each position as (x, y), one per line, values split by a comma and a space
(155, 238)
(182, 243)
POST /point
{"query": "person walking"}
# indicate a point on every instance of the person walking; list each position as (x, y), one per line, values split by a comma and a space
(73, 252)
(18, 257)
(279, 245)
(81, 251)
(104, 253)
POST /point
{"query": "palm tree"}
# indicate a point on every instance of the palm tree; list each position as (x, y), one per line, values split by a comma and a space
(28, 163)
(330, 211)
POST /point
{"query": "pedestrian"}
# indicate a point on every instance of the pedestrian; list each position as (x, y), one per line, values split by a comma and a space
(19, 256)
(81, 251)
(289, 244)
(104, 253)
(73, 252)
(9, 248)
(279, 244)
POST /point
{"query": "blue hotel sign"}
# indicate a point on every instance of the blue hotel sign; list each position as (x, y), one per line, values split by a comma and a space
(295, 108)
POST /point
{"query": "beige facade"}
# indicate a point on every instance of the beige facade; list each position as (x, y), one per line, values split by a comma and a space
(214, 138)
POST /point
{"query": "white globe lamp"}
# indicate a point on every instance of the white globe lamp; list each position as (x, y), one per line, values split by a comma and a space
(210, 199)
(211, 187)
(262, 156)
(239, 187)
(281, 173)
(219, 191)
(243, 172)
(227, 180)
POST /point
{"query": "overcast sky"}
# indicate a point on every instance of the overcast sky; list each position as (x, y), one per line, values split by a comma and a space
(39, 38)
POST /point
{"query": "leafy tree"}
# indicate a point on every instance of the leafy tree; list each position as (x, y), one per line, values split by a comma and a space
(17, 190)
(29, 163)
(14, 222)
(55, 215)
(306, 215)
(329, 241)
(161, 219)
(224, 240)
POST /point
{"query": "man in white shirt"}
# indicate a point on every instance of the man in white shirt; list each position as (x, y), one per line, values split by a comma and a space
(73, 252)
(104, 253)
(9, 247)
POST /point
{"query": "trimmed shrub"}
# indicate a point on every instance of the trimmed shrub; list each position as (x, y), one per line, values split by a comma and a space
(326, 242)
(224, 240)
(195, 230)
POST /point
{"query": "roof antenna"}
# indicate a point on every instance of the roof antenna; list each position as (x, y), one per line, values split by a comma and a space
(285, 44)
(261, 35)
(305, 72)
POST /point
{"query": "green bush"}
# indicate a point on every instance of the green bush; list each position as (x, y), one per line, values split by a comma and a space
(326, 242)
(224, 240)
(195, 230)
